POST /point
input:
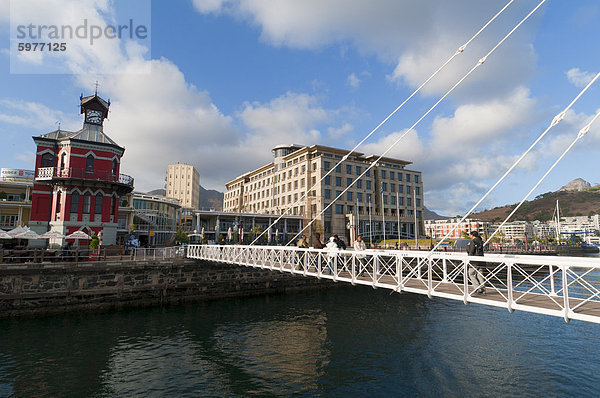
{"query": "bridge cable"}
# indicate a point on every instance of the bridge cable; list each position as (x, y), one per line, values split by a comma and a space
(579, 136)
(479, 63)
(556, 120)
(459, 51)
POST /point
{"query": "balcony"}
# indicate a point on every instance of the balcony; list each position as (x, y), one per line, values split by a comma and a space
(55, 173)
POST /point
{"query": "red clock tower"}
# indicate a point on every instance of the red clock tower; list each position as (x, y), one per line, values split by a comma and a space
(77, 181)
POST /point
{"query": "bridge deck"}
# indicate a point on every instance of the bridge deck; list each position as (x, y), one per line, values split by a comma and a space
(558, 286)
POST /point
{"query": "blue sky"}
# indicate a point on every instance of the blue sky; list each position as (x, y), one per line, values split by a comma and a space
(224, 81)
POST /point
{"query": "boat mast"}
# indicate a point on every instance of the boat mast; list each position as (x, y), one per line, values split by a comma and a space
(557, 223)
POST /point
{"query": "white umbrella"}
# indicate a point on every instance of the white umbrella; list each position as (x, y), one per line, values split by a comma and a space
(4, 235)
(242, 235)
(27, 235)
(202, 233)
(78, 235)
(52, 235)
(17, 231)
(277, 235)
(269, 235)
(229, 234)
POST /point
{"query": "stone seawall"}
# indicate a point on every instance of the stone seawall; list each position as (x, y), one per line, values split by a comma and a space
(59, 287)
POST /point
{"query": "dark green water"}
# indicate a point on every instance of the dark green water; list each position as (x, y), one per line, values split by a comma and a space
(351, 341)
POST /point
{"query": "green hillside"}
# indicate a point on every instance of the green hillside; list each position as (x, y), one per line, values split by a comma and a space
(571, 203)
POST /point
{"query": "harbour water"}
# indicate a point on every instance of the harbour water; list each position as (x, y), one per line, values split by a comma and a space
(341, 342)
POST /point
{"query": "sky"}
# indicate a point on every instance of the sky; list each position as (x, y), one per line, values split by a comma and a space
(218, 83)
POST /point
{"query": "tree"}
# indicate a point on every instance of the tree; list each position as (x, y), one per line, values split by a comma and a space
(95, 242)
(181, 237)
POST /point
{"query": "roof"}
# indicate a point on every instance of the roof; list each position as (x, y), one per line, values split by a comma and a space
(87, 133)
(91, 98)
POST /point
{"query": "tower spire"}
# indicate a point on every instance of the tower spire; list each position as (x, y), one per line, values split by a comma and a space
(96, 92)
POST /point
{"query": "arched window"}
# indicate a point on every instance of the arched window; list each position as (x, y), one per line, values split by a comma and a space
(63, 158)
(98, 206)
(89, 163)
(47, 160)
(75, 203)
(86, 203)
(115, 167)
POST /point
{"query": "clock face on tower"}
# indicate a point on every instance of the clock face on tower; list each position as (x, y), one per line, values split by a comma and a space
(93, 116)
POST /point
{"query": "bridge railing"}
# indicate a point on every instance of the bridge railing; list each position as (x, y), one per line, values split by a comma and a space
(568, 287)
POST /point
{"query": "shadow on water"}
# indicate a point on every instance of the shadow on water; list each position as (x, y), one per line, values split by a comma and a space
(351, 340)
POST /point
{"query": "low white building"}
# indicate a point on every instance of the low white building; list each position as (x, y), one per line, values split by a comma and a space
(440, 228)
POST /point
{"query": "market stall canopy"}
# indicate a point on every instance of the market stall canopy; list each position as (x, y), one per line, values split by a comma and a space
(28, 235)
(52, 235)
(16, 231)
(78, 235)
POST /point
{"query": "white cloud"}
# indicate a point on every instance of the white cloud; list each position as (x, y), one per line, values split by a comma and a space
(417, 36)
(353, 81)
(579, 78)
(33, 115)
(336, 133)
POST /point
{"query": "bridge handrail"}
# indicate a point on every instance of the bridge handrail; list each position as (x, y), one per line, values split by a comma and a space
(561, 286)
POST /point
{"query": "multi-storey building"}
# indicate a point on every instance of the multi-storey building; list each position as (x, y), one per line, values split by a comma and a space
(454, 228)
(151, 219)
(298, 179)
(77, 181)
(518, 230)
(183, 184)
(15, 197)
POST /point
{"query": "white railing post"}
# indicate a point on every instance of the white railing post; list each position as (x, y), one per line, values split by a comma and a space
(353, 269)
(509, 285)
(419, 268)
(552, 289)
(444, 271)
(429, 272)
(466, 281)
(320, 265)
(306, 262)
(375, 266)
(565, 289)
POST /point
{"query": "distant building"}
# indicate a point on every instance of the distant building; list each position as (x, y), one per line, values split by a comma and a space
(15, 197)
(388, 190)
(151, 219)
(77, 178)
(242, 227)
(438, 229)
(183, 184)
(518, 230)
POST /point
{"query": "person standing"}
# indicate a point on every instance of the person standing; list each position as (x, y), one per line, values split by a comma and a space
(332, 249)
(317, 244)
(359, 246)
(475, 248)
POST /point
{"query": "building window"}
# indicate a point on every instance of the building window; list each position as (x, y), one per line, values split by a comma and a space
(359, 196)
(338, 194)
(392, 175)
(348, 169)
(399, 176)
(392, 187)
(401, 201)
(409, 201)
(348, 182)
(348, 195)
(47, 160)
(400, 188)
(385, 199)
(86, 203)
(368, 184)
(417, 190)
(384, 186)
(408, 178)
(338, 181)
(339, 209)
(382, 173)
(416, 179)
(89, 163)
(393, 199)
(368, 198)
(98, 205)
(326, 165)
(418, 202)
(115, 167)
(338, 168)
(358, 170)
(358, 183)
(369, 173)
(75, 203)
(327, 193)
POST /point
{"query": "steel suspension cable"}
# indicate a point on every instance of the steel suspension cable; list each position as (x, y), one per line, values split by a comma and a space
(459, 51)
(479, 63)
(556, 120)
(579, 136)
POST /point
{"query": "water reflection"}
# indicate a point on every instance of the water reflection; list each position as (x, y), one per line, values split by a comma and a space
(348, 341)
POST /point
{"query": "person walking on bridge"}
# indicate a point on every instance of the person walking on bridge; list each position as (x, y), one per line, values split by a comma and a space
(475, 248)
